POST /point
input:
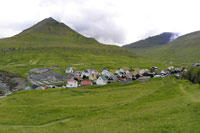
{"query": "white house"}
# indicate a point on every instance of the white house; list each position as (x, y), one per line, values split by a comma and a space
(142, 71)
(102, 80)
(93, 71)
(69, 70)
(121, 70)
(72, 84)
(85, 73)
(127, 71)
(104, 72)
(109, 74)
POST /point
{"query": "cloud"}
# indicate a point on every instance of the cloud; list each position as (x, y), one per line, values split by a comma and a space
(114, 21)
(89, 19)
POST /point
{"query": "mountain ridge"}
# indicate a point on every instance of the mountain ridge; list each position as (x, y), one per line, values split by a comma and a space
(158, 40)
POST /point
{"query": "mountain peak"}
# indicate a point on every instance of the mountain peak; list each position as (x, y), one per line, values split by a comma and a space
(50, 19)
(50, 30)
(48, 25)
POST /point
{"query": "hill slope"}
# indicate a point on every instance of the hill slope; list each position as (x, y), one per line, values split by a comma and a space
(183, 50)
(50, 43)
(162, 105)
(158, 40)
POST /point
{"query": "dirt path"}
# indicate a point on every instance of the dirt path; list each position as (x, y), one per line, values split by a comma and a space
(46, 124)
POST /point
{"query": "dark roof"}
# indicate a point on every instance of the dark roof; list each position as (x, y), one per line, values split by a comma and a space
(34, 86)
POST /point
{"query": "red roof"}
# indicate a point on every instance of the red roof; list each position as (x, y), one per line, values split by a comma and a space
(128, 75)
(71, 80)
(84, 83)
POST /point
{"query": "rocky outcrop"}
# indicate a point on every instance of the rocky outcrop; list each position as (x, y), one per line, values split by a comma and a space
(10, 83)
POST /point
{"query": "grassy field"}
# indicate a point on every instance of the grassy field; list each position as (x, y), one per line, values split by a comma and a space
(161, 105)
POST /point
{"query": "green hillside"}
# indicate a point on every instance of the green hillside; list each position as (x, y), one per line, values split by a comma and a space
(161, 105)
(154, 41)
(184, 50)
(50, 43)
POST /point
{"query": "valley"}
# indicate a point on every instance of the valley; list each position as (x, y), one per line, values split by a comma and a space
(160, 105)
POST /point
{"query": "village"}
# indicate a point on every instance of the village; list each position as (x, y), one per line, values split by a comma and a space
(43, 78)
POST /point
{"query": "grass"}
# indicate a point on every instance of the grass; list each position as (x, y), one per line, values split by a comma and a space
(161, 105)
(21, 60)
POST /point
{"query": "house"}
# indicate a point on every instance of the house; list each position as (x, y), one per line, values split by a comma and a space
(113, 79)
(93, 76)
(72, 83)
(154, 70)
(34, 87)
(121, 70)
(69, 70)
(102, 80)
(129, 75)
(104, 72)
(127, 71)
(85, 74)
(163, 72)
(86, 83)
(109, 74)
(93, 71)
(77, 73)
(44, 87)
(78, 78)
(121, 73)
(142, 71)
(196, 64)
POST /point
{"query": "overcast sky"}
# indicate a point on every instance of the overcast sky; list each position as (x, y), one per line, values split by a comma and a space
(109, 21)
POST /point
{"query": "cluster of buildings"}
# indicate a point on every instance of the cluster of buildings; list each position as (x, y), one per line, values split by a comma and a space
(43, 79)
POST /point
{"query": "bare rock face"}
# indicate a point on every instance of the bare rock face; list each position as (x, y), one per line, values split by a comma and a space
(10, 83)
